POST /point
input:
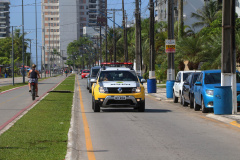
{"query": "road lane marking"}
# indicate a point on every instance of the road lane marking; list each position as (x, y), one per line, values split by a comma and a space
(89, 146)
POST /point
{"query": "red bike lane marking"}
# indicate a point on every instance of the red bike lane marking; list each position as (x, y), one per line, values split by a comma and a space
(24, 109)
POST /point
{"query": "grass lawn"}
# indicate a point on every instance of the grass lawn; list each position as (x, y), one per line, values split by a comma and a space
(42, 133)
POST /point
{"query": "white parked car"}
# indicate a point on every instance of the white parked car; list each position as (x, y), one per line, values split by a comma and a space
(178, 84)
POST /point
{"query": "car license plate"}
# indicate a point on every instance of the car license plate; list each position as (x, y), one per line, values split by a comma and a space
(119, 97)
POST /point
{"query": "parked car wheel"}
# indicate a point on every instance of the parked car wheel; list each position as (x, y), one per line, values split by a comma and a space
(184, 103)
(175, 99)
(196, 106)
(90, 90)
(204, 109)
(191, 101)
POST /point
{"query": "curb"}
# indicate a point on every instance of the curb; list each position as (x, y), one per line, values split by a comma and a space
(71, 145)
(227, 120)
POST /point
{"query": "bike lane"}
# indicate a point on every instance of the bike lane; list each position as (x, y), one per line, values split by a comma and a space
(14, 102)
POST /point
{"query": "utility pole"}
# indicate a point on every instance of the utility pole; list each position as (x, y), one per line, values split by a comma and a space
(43, 17)
(151, 37)
(114, 38)
(36, 32)
(49, 64)
(12, 58)
(137, 36)
(180, 19)
(23, 68)
(106, 47)
(140, 24)
(124, 33)
(100, 36)
(171, 69)
(228, 59)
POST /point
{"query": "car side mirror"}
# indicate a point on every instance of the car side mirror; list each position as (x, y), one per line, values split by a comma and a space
(93, 80)
(198, 83)
(143, 81)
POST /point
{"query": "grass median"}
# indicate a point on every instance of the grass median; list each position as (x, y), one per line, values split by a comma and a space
(42, 133)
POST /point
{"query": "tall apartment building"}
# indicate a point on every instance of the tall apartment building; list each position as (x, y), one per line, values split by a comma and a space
(50, 31)
(189, 7)
(4, 18)
(65, 20)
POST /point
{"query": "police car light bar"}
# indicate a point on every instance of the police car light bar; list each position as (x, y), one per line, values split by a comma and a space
(117, 64)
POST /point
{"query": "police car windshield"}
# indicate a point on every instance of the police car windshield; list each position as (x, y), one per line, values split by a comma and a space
(118, 76)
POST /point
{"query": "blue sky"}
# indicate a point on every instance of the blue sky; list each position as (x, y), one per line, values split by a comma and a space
(29, 18)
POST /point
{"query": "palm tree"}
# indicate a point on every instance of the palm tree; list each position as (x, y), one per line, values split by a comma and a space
(207, 14)
(189, 48)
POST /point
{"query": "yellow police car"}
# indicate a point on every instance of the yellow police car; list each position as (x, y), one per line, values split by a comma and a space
(118, 87)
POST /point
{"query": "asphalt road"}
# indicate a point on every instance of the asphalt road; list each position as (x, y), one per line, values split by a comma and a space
(165, 131)
(16, 101)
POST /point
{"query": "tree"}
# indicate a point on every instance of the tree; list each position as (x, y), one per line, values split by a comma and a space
(207, 14)
(73, 50)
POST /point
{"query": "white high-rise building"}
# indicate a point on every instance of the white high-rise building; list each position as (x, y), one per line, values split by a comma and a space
(4, 18)
(63, 22)
(189, 7)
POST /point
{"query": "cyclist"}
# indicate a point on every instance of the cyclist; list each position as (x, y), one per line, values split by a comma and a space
(33, 75)
(66, 72)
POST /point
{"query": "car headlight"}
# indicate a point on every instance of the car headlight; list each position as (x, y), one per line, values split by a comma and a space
(103, 90)
(136, 90)
(209, 92)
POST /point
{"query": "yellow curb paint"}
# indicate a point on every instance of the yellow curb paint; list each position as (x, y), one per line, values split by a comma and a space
(235, 123)
(89, 146)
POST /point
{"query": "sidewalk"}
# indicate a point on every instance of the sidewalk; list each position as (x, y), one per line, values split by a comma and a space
(229, 119)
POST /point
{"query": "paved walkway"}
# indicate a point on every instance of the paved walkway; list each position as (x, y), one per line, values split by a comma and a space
(230, 119)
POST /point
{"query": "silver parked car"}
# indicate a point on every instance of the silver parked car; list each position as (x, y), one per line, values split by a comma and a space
(92, 75)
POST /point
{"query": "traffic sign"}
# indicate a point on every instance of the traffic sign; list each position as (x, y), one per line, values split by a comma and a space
(170, 46)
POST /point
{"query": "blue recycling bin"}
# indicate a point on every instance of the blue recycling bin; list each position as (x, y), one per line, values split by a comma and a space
(169, 88)
(222, 100)
(5, 75)
(151, 85)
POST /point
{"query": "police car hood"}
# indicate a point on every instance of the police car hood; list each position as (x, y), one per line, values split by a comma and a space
(123, 84)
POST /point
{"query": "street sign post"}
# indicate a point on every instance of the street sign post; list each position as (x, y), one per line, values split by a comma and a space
(170, 46)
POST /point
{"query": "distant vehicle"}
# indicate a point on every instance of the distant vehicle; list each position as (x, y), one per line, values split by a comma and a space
(178, 84)
(204, 87)
(188, 86)
(85, 72)
(92, 75)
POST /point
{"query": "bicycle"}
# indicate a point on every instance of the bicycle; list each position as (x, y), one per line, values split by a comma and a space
(33, 89)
